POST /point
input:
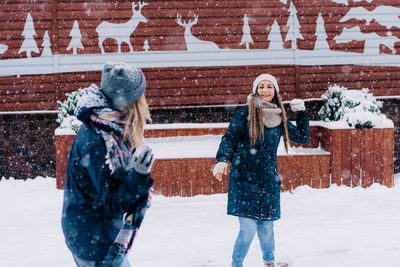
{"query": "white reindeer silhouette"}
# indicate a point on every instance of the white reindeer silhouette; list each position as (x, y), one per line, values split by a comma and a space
(121, 32)
(193, 43)
(373, 42)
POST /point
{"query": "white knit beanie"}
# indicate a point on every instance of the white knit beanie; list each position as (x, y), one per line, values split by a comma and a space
(263, 77)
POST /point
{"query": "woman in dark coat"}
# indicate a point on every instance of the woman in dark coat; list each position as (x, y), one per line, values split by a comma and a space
(251, 144)
(108, 166)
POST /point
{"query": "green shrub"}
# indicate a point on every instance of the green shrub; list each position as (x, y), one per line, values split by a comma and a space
(357, 107)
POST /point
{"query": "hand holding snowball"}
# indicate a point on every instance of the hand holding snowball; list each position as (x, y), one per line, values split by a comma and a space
(142, 160)
(219, 169)
(297, 105)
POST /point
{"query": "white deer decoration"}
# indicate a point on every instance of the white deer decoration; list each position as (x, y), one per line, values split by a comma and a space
(193, 43)
(121, 32)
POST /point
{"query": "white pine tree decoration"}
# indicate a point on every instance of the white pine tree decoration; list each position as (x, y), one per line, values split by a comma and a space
(320, 32)
(3, 48)
(246, 38)
(275, 37)
(29, 44)
(294, 27)
(46, 45)
(76, 36)
(146, 46)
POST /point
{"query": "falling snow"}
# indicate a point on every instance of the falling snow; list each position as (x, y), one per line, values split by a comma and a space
(339, 226)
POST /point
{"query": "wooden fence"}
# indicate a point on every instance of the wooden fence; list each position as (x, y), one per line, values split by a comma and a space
(355, 157)
(360, 157)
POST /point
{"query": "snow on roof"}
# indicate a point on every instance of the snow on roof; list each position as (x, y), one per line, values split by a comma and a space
(186, 126)
(64, 131)
(384, 123)
(206, 146)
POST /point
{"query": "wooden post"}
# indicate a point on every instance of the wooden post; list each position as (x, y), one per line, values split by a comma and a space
(388, 153)
(368, 170)
(63, 146)
(356, 157)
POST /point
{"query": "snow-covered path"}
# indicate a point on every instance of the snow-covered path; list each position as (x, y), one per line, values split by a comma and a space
(329, 227)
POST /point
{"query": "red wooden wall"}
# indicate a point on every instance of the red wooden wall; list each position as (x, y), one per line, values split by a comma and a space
(220, 22)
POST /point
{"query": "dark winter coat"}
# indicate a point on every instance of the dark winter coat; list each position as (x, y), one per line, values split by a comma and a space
(254, 183)
(95, 200)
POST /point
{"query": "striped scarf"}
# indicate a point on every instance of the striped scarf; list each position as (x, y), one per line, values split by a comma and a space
(110, 125)
(94, 108)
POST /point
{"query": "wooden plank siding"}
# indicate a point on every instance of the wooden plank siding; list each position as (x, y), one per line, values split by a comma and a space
(221, 82)
(358, 157)
(189, 177)
(388, 164)
(189, 87)
(193, 176)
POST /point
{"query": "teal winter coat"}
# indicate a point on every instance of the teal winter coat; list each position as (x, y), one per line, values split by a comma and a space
(254, 183)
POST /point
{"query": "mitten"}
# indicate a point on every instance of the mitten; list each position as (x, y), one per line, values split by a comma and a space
(219, 167)
(142, 160)
(297, 105)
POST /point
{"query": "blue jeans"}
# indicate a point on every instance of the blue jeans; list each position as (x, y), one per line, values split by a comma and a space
(248, 228)
(86, 263)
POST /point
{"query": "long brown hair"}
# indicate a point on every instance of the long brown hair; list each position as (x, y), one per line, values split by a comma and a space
(137, 115)
(256, 119)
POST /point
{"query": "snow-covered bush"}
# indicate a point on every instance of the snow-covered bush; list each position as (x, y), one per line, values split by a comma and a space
(66, 115)
(356, 107)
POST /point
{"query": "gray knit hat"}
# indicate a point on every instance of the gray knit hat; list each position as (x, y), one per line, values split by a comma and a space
(122, 84)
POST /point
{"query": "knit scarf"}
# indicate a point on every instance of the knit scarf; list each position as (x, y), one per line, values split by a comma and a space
(272, 113)
(110, 126)
(94, 108)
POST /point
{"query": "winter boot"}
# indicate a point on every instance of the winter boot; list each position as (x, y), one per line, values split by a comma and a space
(278, 264)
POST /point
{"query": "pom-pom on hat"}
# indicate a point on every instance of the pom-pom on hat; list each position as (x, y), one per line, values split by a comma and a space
(263, 77)
(122, 84)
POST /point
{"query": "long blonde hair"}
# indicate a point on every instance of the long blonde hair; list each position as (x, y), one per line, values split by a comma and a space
(256, 120)
(138, 114)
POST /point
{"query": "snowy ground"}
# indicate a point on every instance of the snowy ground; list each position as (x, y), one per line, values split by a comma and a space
(330, 227)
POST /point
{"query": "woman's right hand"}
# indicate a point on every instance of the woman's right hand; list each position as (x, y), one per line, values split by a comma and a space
(142, 160)
(219, 169)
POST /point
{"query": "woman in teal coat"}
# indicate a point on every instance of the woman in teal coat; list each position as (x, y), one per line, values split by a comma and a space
(251, 144)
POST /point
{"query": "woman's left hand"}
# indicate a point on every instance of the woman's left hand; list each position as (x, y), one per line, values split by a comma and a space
(297, 105)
